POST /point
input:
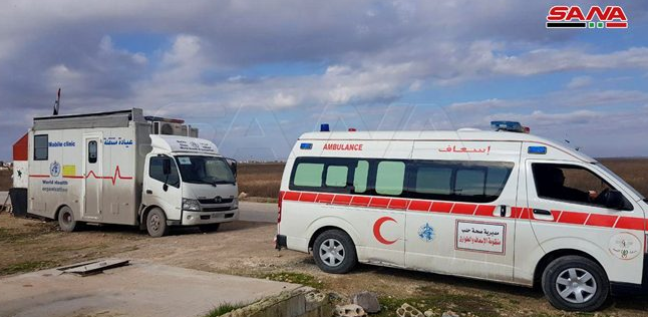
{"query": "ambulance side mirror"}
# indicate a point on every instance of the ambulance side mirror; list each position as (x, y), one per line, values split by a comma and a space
(614, 200)
(233, 164)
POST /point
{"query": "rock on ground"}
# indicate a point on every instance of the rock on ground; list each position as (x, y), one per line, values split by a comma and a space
(368, 301)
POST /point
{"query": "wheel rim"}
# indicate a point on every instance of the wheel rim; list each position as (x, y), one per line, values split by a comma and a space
(67, 218)
(576, 285)
(332, 252)
(154, 222)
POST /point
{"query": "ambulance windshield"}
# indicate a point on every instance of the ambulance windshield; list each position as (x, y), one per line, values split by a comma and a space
(205, 170)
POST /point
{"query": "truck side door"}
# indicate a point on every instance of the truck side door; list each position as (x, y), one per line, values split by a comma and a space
(162, 189)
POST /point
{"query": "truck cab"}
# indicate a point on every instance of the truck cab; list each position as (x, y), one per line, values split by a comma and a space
(187, 183)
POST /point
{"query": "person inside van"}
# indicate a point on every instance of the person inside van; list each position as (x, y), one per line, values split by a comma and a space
(550, 181)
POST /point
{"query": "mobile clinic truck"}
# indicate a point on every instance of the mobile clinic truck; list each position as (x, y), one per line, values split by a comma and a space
(501, 206)
(124, 168)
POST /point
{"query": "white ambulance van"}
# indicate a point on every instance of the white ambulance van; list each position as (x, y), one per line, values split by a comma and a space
(501, 206)
(123, 168)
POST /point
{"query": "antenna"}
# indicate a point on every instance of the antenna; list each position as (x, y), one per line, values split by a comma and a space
(57, 102)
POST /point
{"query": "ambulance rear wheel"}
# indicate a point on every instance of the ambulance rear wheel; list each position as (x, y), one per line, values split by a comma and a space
(334, 252)
(575, 283)
(156, 224)
(66, 220)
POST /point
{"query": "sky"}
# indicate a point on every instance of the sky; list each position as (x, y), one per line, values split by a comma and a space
(253, 75)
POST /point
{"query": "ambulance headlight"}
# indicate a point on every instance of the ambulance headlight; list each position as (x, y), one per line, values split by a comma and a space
(190, 205)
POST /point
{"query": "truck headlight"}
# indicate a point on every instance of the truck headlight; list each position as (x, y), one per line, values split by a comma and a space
(235, 204)
(190, 204)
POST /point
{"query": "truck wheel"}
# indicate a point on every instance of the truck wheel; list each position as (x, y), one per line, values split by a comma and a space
(66, 220)
(209, 228)
(334, 252)
(575, 283)
(156, 223)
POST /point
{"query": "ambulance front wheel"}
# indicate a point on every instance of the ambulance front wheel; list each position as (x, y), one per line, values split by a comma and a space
(335, 252)
(66, 220)
(575, 283)
(156, 223)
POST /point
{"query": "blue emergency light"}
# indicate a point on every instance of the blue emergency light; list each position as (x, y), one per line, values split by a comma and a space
(538, 150)
(306, 146)
(509, 126)
(324, 127)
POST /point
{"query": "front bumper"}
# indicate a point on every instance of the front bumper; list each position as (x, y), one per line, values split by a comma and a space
(195, 218)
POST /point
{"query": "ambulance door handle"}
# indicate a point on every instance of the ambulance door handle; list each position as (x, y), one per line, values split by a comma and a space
(149, 192)
(542, 212)
(503, 211)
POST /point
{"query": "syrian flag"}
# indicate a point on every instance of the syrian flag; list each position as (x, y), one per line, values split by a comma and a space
(57, 103)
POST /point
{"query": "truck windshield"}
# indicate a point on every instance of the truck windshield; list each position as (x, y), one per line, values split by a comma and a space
(205, 170)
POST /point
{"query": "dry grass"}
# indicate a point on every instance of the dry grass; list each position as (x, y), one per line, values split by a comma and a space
(260, 179)
(633, 171)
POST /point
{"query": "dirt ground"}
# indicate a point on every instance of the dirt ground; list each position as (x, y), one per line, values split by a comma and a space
(247, 249)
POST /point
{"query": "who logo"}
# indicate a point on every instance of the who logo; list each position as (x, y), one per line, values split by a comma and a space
(610, 17)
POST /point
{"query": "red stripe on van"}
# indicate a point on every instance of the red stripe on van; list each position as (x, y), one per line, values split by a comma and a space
(630, 223)
(485, 211)
(362, 201)
(556, 214)
(601, 220)
(324, 198)
(398, 204)
(577, 218)
(308, 197)
(420, 205)
(464, 209)
(379, 202)
(441, 207)
(342, 200)
(293, 196)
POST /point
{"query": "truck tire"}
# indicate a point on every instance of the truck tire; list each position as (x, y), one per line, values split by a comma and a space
(334, 252)
(156, 224)
(575, 283)
(213, 227)
(66, 220)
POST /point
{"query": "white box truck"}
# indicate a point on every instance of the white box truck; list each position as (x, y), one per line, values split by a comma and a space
(123, 168)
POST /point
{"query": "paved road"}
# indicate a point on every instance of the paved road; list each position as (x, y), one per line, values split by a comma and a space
(258, 212)
(142, 289)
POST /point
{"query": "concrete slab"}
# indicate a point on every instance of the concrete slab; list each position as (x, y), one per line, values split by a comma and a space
(141, 289)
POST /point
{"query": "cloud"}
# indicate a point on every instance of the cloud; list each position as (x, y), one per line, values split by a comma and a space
(579, 82)
(363, 54)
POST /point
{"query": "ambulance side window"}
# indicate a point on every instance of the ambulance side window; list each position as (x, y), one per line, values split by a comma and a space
(390, 178)
(477, 182)
(361, 177)
(572, 184)
(308, 175)
(336, 175)
(41, 147)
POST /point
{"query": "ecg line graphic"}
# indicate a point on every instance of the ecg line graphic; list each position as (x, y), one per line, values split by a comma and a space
(113, 179)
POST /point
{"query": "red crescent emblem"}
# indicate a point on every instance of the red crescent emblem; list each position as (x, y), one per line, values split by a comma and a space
(376, 230)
